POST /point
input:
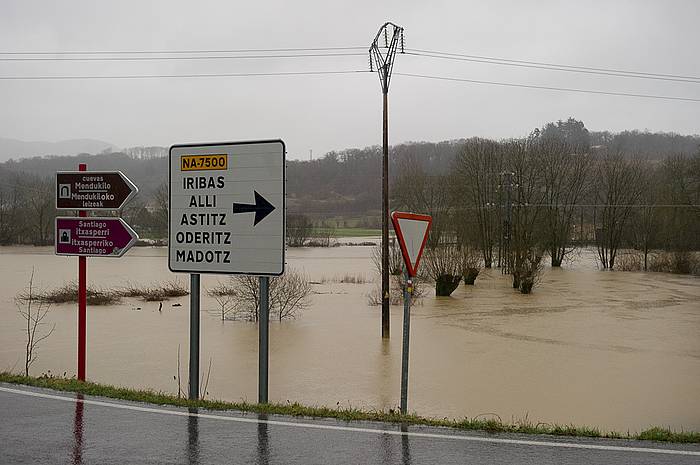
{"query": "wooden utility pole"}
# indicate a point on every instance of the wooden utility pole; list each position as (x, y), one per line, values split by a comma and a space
(390, 36)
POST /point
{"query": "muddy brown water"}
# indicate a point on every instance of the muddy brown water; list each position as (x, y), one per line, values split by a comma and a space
(616, 350)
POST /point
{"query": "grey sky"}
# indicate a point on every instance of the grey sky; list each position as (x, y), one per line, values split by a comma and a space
(334, 112)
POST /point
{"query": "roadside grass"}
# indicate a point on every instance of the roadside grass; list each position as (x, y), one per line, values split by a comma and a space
(489, 425)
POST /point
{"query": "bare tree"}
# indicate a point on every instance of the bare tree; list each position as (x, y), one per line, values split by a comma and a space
(645, 219)
(240, 298)
(299, 229)
(525, 252)
(160, 209)
(34, 311)
(416, 191)
(565, 180)
(42, 211)
(618, 189)
(479, 165)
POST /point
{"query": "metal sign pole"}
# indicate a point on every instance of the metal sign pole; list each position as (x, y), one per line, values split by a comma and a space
(406, 332)
(194, 336)
(263, 342)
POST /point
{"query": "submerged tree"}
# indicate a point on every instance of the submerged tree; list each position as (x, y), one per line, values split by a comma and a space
(618, 187)
(526, 244)
(478, 167)
(565, 177)
(240, 298)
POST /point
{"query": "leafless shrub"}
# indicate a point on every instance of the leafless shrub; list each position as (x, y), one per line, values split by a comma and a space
(348, 278)
(471, 264)
(68, 293)
(680, 262)
(239, 299)
(630, 261)
(155, 292)
(395, 258)
(444, 264)
(396, 288)
(223, 295)
(299, 228)
(34, 311)
(322, 236)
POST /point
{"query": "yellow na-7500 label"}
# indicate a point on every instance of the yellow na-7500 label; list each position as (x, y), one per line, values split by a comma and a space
(203, 162)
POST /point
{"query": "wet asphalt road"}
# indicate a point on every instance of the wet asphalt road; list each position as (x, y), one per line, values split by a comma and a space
(50, 427)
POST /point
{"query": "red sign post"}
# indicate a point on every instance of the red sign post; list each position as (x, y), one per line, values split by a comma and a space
(82, 302)
(91, 237)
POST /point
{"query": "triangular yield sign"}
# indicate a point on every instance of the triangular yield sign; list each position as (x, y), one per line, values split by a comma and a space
(412, 232)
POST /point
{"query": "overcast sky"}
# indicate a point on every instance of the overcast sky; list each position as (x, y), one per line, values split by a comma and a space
(334, 112)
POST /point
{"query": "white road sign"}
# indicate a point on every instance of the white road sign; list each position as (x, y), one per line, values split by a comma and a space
(227, 208)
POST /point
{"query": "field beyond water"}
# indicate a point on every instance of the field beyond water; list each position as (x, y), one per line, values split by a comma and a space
(612, 351)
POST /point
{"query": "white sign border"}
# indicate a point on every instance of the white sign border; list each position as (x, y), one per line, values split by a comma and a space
(284, 203)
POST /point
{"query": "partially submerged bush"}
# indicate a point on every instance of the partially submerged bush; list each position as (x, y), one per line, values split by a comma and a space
(155, 292)
(68, 293)
(395, 258)
(444, 264)
(239, 298)
(348, 278)
(397, 285)
(527, 272)
(680, 262)
(471, 265)
(631, 261)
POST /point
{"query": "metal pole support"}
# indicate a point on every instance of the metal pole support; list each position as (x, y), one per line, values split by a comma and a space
(406, 333)
(263, 341)
(194, 337)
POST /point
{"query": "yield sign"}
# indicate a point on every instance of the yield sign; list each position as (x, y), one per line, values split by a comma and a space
(412, 232)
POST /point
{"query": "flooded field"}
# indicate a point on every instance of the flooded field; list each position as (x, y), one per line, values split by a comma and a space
(615, 350)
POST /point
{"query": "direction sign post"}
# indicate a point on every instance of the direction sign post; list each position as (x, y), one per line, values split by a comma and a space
(95, 237)
(227, 216)
(412, 233)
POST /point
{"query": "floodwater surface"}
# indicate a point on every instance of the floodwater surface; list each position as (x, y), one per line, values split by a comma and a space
(615, 350)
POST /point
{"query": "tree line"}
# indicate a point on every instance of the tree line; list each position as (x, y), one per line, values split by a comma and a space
(517, 202)
(345, 185)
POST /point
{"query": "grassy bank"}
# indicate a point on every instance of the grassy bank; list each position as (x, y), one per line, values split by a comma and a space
(347, 414)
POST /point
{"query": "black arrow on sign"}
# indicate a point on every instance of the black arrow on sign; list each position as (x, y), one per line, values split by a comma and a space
(262, 208)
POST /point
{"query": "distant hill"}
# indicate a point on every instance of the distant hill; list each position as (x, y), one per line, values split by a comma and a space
(14, 148)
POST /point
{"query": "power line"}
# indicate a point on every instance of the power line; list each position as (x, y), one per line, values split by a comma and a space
(174, 52)
(496, 60)
(175, 76)
(560, 89)
(180, 58)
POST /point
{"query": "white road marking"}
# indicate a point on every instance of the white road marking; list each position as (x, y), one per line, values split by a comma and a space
(521, 442)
